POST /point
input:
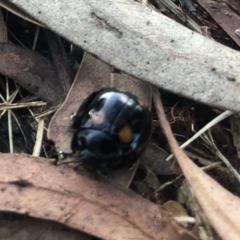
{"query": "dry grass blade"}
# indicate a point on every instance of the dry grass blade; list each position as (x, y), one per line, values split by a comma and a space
(210, 166)
(10, 134)
(35, 38)
(39, 138)
(45, 113)
(216, 120)
(10, 100)
(179, 13)
(7, 106)
(212, 147)
(221, 207)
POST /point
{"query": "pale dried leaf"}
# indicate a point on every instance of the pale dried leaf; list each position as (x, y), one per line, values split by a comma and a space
(147, 45)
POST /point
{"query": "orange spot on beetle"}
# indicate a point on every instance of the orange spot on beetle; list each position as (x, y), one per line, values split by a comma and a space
(125, 134)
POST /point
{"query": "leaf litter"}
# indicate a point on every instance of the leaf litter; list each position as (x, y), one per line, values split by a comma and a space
(92, 75)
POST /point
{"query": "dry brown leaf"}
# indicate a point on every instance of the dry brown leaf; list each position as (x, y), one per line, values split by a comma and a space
(224, 16)
(154, 158)
(35, 187)
(32, 71)
(89, 79)
(3, 29)
(60, 61)
(221, 207)
(93, 75)
(234, 4)
(31, 229)
(175, 208)
(146, 184)
(179, 213)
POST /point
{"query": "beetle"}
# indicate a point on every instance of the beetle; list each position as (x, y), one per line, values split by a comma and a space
(111, 130)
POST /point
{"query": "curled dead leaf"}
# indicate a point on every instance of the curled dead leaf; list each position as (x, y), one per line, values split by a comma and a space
(39, 189)
(32, 71)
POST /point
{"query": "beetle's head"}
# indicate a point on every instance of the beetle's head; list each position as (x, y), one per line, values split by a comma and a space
(97, 150)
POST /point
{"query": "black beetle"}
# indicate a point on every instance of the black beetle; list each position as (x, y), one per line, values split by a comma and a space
(112, 129)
